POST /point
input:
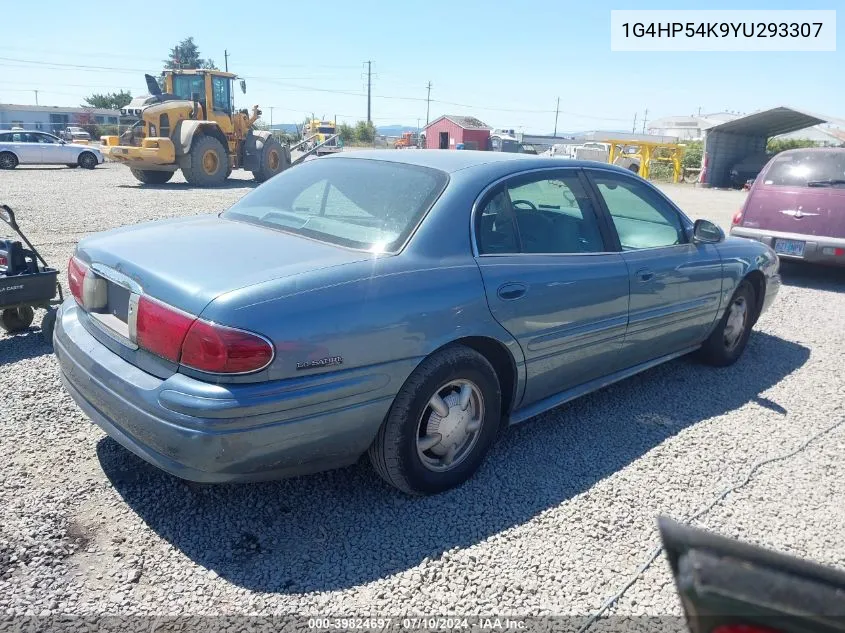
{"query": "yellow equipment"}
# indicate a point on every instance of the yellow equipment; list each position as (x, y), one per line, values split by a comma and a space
(647, 151)
(192, 126)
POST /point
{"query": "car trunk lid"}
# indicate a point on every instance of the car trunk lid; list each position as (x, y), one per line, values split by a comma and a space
(186, 263)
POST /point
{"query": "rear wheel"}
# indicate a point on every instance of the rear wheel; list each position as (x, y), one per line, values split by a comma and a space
(87, 160)
(8, 160)
(727, 342)
(275, 158)
(151, 177)
(209, 162)
(441, 424)
(16, 319)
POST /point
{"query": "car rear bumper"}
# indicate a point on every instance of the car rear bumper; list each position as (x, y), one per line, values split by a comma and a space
(223, 433)
(817, 250)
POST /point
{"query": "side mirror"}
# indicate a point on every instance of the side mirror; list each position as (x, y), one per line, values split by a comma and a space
(705, 232)
(8, 216)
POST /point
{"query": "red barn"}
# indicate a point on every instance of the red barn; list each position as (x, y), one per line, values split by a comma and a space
(449, 131)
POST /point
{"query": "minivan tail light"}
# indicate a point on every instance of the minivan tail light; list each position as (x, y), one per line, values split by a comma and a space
(76, 271)
(213, 348)
(737, 219)
(160, 328)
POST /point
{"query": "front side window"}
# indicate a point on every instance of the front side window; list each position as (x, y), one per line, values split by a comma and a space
(221, 100)
(44, 138)
(357, 203)
(537, 214)
(186, 85)
(641, 218)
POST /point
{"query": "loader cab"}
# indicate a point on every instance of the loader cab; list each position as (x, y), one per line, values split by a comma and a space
(212, 88)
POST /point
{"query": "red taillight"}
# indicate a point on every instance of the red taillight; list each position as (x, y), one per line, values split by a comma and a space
(161, 329)
(3, 261)
(839, 252)
(737, 218)
(76, 271)
(218, 349)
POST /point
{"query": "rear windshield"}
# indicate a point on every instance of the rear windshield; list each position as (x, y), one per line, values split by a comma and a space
(357, 203)
(797, 169)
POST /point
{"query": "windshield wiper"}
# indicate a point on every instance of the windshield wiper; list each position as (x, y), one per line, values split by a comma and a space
(826, 183)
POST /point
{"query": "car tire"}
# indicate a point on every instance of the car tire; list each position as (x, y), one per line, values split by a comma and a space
(8, 160)
(727, 342)
(209, 162)
(16, 319)
(402, 452)
(152, 177)
(87, 160)
(48, 324)
(275, 158)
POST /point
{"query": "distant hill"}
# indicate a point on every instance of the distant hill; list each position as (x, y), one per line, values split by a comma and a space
(287, 128)
(384, 130)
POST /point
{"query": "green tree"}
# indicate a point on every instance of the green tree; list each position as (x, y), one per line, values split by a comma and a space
(108, 100)
(776, 145)
(693, 153)
(347, 132)
(365, 132)
(186, 54)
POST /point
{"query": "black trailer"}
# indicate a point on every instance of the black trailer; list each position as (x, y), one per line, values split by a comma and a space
(26, 283)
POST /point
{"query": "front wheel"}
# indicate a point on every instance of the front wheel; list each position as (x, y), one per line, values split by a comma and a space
(152, 177)
(441, 424)
(209, 162)
(87, 160)
(727, 342)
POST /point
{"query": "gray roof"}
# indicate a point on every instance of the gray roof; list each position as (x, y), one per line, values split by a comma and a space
(454, 160)
(773, 122)
(466, 122)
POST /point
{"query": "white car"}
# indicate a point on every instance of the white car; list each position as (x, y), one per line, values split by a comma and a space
(22, 147)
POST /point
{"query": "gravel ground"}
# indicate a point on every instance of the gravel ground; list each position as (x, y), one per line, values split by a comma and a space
(559, 518)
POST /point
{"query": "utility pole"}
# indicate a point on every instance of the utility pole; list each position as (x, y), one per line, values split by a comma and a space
(557, 110)
(226, 58)
(427, 103)
(36, 96)
(634, 129)
(369, 89)
(271, 117)
(645, 119)
(699, 110)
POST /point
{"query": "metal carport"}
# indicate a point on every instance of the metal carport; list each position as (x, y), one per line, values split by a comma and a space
(728, 143)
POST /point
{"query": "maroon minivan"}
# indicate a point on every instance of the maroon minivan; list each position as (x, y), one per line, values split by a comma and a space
(797, 206)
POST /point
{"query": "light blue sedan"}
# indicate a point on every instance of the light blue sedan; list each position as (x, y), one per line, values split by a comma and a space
(402, 304)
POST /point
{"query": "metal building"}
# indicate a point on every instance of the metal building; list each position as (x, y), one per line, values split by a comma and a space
(728, 143)
(449, 131)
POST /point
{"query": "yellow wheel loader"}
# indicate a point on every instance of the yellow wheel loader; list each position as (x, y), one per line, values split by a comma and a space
(191, 125)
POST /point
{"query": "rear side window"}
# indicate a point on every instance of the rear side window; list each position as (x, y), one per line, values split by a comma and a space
(803, 169)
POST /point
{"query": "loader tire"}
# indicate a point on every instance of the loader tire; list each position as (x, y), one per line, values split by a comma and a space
(209, 163)
(150, 177)
(275, 158)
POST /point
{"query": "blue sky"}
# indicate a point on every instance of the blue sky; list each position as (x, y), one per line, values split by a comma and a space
(505, 62)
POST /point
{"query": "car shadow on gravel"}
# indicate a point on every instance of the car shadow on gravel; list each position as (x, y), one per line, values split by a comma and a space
(812, 276)
(27, 344)
(344, 528)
